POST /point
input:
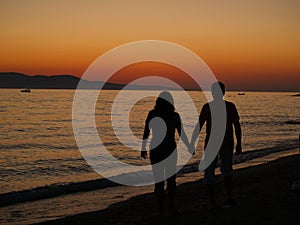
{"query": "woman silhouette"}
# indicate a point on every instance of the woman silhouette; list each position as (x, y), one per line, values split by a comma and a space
(163, 121)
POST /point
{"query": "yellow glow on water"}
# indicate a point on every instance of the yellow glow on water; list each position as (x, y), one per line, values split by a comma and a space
(38, 147)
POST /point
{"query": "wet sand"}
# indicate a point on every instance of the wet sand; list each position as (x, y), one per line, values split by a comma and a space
(262, 188)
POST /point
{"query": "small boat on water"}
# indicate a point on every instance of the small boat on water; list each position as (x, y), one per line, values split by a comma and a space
(26, 90)
(242, 93)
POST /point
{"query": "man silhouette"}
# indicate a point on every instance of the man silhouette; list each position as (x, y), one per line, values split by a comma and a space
(226, 150)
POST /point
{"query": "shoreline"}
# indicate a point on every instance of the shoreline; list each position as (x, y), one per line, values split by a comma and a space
(83, 203)
(262, 189)
(60, 190)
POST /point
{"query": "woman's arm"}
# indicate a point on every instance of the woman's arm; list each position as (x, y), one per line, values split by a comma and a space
(182, 133)
(145, 138)
(238, 135)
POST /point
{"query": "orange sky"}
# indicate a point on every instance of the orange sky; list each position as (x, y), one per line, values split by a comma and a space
(139, 70)
(251, 44)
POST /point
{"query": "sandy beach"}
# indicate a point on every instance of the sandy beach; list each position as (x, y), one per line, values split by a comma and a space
(262, 188)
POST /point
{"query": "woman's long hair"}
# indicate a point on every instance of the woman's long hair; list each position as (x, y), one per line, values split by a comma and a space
(164, 103)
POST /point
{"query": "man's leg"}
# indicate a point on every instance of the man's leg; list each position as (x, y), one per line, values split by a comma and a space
(209, 179)
(228, 185)
(226, 155)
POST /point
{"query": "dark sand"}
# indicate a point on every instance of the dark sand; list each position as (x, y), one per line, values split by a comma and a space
(263, 193)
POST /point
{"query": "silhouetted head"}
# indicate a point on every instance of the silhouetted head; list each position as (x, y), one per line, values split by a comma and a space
(218, 90)
(164, 103)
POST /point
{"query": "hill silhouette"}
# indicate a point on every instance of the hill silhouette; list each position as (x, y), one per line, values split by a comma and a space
(20, 80)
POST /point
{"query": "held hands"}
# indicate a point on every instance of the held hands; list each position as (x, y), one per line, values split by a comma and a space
(191, 149)
(144, 153)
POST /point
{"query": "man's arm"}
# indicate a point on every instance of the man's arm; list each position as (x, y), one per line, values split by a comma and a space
(238, 135)
(197, 130)
(145, 138)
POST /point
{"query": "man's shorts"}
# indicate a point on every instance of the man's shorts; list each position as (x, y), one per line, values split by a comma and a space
(225, 155)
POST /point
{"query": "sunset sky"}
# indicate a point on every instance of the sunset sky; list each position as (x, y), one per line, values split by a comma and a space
(248, 44)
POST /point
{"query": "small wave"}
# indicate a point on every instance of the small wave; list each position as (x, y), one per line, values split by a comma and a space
(58, 120)
(53, 191)
(249, 155)
(38, 146)
(293, 122)
(266, 151)
(58, 189)
(25, 130)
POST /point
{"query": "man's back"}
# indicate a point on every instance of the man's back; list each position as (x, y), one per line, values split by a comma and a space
(232, 117)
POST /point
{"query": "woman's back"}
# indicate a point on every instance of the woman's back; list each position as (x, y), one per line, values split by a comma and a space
(163, 128)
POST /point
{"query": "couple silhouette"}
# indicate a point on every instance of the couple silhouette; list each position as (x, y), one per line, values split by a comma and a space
(163, 121)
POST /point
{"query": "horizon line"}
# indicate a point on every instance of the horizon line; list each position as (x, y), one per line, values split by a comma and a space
(136, 85)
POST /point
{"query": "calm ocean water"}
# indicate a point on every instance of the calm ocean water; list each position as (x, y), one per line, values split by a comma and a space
(39, 157)
(38, 148)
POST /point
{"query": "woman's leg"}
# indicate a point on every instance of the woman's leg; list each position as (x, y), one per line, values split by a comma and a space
(170, 168)
(158, 174)
(159, 193)
(171, 184)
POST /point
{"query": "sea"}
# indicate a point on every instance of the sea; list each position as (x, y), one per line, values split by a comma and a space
(40, 158)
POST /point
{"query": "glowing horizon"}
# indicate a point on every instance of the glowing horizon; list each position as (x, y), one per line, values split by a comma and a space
(247, 44)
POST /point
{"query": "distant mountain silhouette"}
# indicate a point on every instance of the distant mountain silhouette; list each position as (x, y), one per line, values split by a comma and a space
(19, 80)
